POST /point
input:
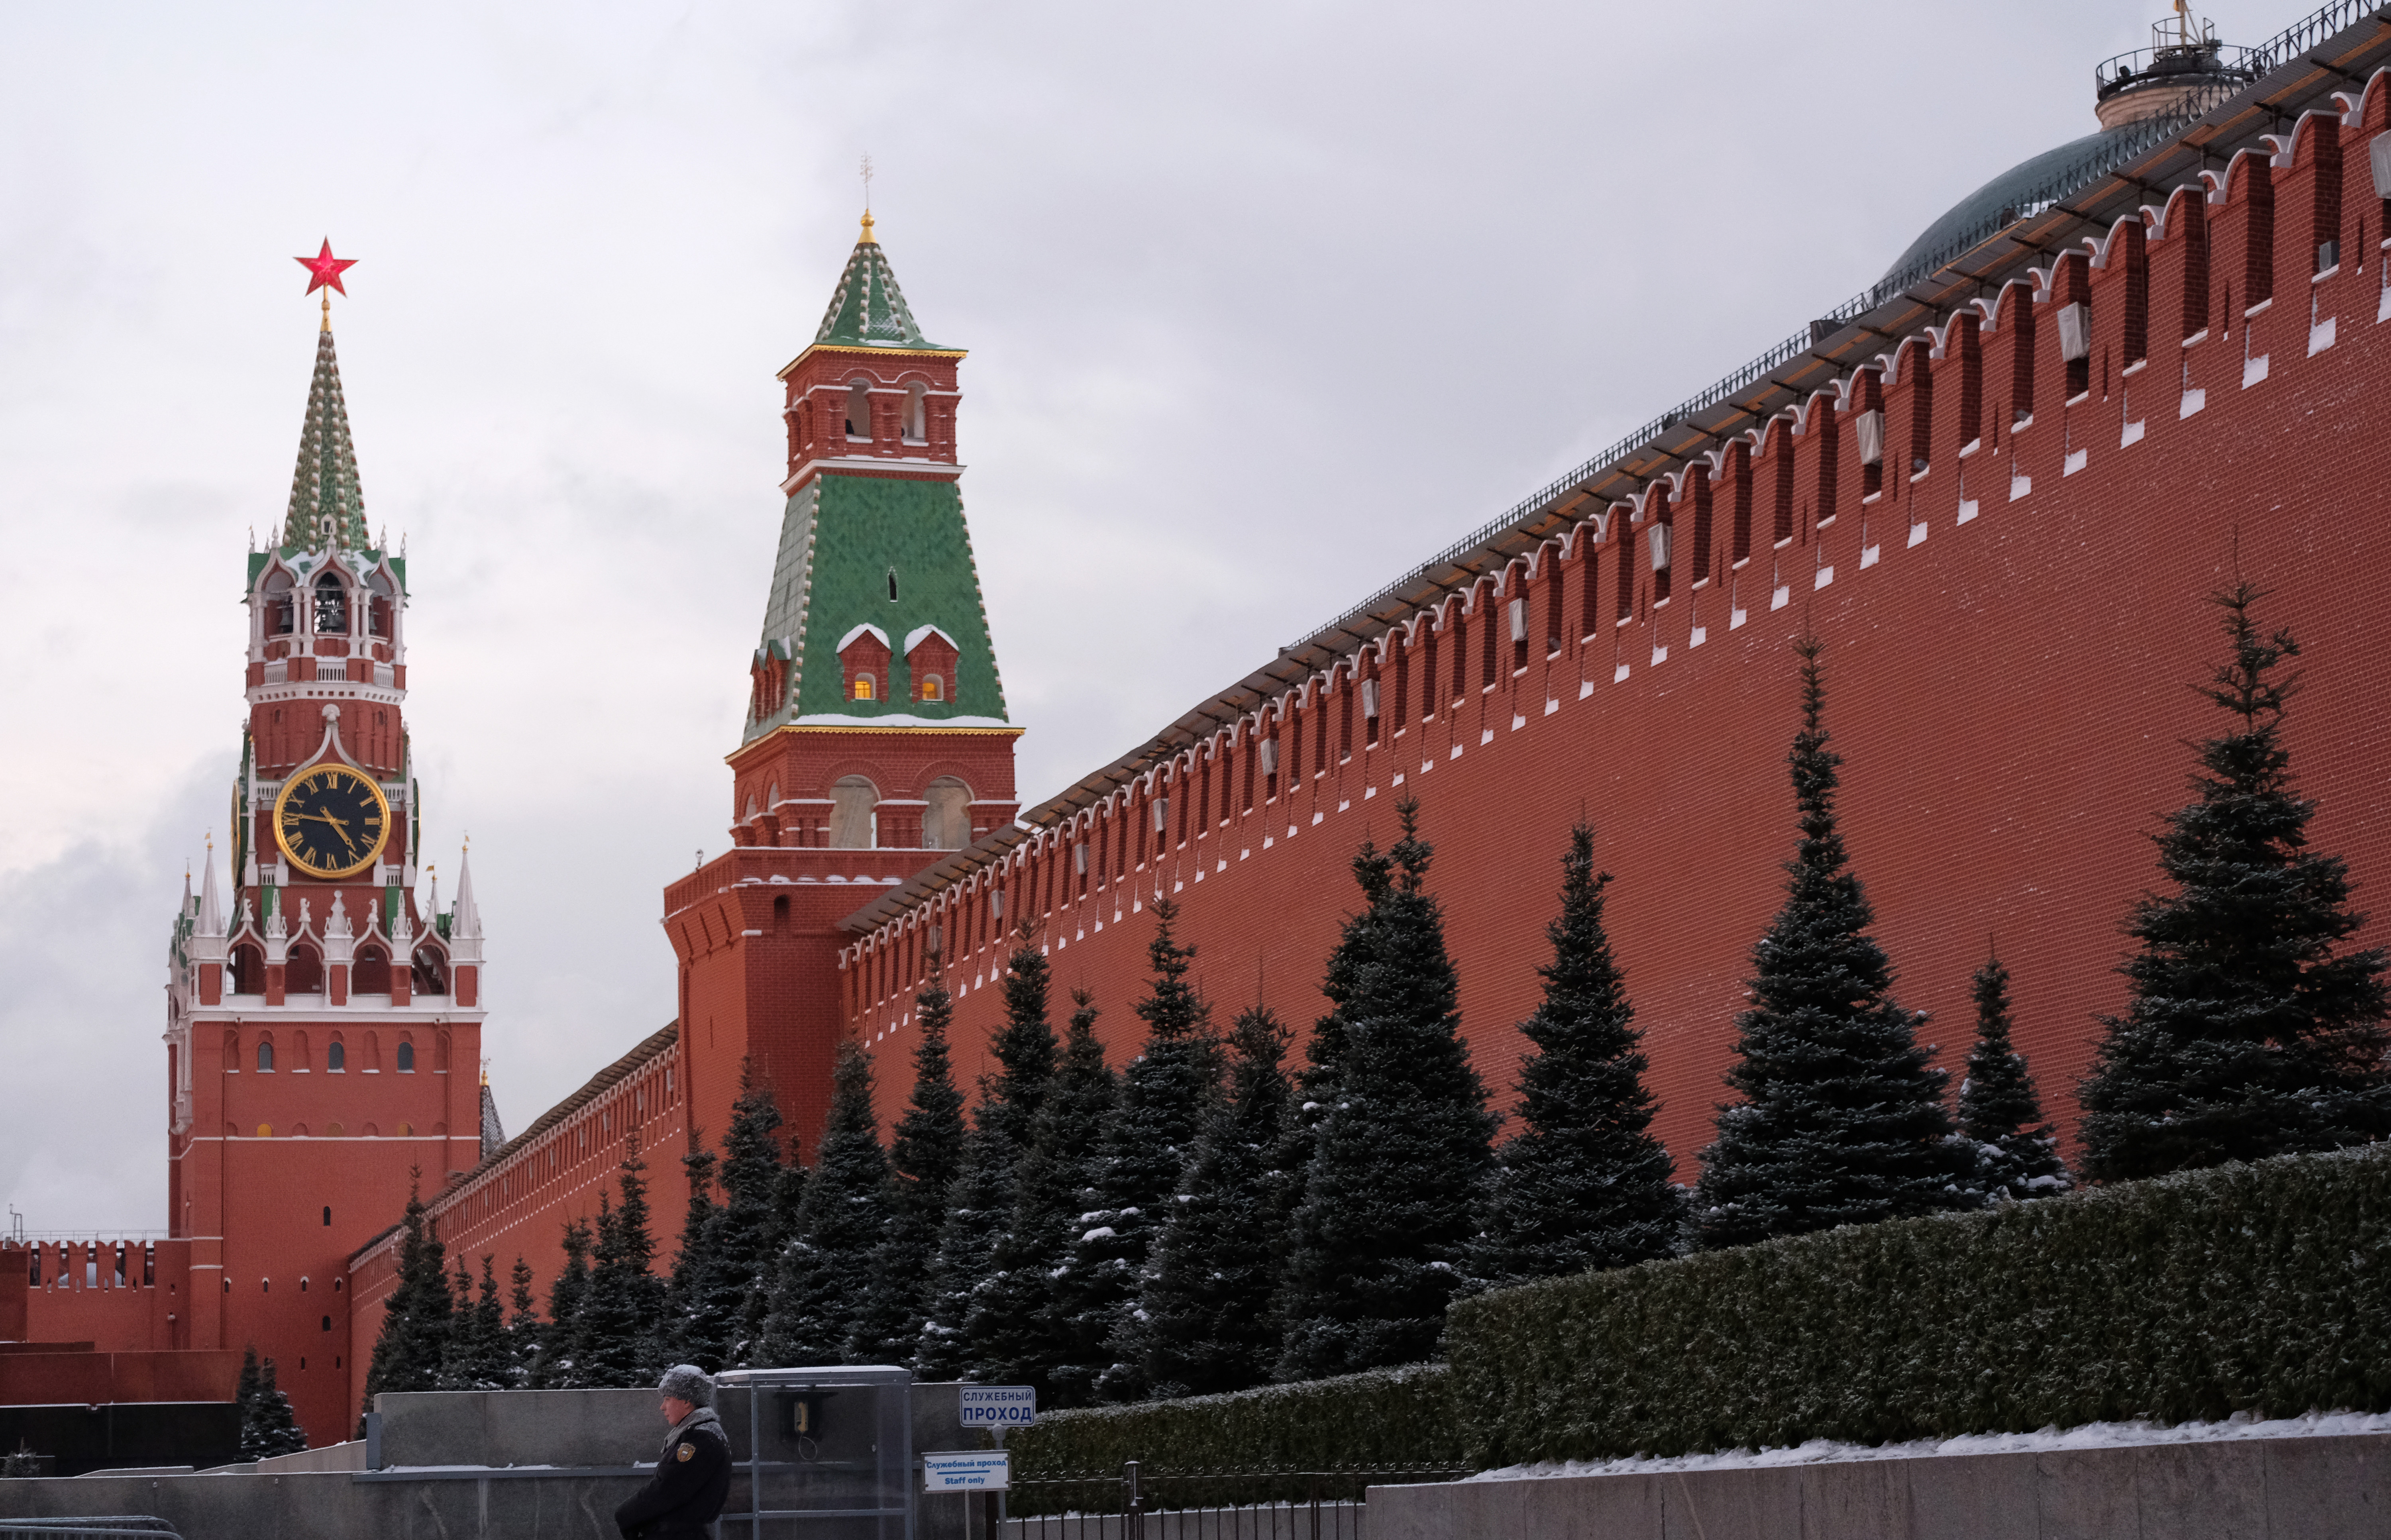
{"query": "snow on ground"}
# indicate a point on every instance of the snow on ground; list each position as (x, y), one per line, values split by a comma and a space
(2091, 1436)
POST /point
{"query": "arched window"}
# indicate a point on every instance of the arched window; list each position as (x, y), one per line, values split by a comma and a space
(431, 971)
(851, 819)
(379, 605)
(932, 687)
(281, 616)
(336, 1057)
(370, 973)
(863, 690)
(407, 1058)
(333, 1131)
(917, 417)
(331, 606)
(946, 814)
(247, 969)
(858, 411)
(266, 1056)
(265, 1130)
(305, 973)
(406, 1130)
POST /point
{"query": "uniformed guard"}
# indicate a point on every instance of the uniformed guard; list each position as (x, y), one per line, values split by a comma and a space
(693, 1477)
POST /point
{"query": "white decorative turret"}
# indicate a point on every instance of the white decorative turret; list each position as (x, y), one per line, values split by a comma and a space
(465, 922)
(340, 941)
(212, 917)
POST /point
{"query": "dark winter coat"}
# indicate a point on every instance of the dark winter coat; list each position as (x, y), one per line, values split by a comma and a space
(692, 1480)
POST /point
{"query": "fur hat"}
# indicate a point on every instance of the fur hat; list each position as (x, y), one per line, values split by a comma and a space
(687, 1382)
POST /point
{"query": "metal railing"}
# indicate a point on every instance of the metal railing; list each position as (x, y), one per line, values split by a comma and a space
(2116, 149)
(1140, 1503)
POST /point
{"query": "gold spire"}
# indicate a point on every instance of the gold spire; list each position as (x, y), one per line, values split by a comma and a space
(328, 310)
(867, 238)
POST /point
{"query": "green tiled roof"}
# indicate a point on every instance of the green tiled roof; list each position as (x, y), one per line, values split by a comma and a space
(869, 309)
(841, 538)
(326, 481)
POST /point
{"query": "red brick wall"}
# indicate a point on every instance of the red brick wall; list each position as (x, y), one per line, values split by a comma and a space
(2009, 692)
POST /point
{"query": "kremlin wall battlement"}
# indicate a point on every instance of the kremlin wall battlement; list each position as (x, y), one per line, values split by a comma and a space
(2005, 551)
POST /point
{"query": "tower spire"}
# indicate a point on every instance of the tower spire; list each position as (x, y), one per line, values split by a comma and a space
(325, 485)
(867, 309)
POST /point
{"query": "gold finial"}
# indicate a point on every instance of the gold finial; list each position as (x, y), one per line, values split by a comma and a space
(328, 310)
(485, 1072)
(867, 238)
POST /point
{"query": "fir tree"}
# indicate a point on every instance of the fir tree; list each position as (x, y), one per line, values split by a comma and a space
(1399, 1159)
(552, 1366)
(924, 1156)
(1025, 1052)
(837, 1225)
(759, 1202)
(523, 1329)
(267, 1426)
(1017, 1331)
(477, 1358)
(978, 1207)
(1997, 1101)
(1205, 1320)
(415, 1322)
(1168, 1093)
(685, 1285)
(1323, 1055)
(1583, 1184)
(1842, 1118)
(244, 1395)
(2247, 1033)
(622, 1318)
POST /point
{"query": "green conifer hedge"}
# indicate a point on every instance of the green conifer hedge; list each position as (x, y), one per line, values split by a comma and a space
(2263, 1287)
(1387, 1418)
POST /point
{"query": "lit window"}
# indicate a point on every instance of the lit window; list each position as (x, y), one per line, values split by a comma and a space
(265, 1057)
(265, 1130)
(863, 687)
(932, 687)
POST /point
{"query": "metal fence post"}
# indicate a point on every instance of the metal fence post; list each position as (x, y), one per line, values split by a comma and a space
(1134, 1506)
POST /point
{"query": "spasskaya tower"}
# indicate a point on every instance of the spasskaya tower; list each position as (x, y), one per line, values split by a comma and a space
(324, 1020)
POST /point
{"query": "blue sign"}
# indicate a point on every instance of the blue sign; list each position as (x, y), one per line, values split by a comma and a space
(999, 1406)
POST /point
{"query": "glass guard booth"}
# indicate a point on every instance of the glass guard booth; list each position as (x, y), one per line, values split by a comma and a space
(823, 1453)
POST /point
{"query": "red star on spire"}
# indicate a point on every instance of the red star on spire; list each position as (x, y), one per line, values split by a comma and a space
(325, 270)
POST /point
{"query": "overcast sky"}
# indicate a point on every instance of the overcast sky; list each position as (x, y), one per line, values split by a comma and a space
(1264, 303)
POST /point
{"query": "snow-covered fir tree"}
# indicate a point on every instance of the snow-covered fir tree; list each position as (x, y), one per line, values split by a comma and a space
(478, 1356)
(1841, 1118)
(244, 1395)
(1018, 1328)
(523, 1327)
(1399, 1159)
(2001, 1112)
(841, 1208)
(1315, 1089)
(2248, 1031)
(1025, 1051)
(1583, 1184)
(978, 1207)
(619, 1339)
(760, 1206)
(1167, 1094)
(1205, 1320)
(925, 1155)
(415, 1322)
(268, 1425)
(685, 1286)
(552, 1368)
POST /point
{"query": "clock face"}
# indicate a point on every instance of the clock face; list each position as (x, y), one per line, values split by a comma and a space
(331, 820)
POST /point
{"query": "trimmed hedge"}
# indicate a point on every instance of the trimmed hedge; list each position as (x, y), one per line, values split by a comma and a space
(2263, 1287)
(1387, 1419)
